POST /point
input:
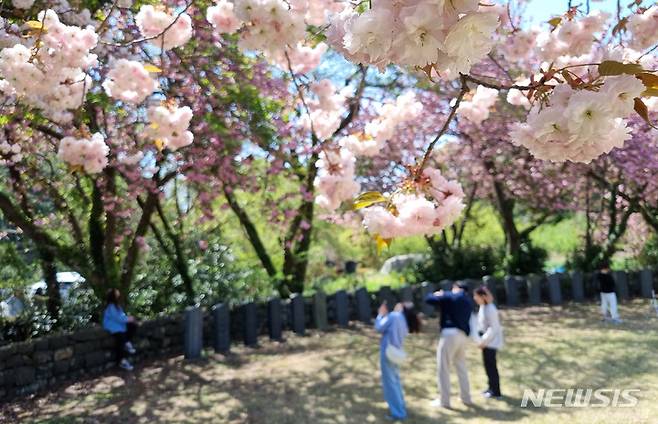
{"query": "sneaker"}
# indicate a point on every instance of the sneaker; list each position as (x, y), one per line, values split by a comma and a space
(130, 348)
(124, 364)
(394, 419)
(436, 403)
(616, 321)
(490, 395)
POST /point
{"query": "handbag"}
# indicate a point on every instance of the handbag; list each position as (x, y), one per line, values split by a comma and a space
(396, 355)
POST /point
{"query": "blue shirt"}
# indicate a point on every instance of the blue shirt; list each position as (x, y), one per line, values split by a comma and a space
(393, 328)
(456, 310)
(114, 319)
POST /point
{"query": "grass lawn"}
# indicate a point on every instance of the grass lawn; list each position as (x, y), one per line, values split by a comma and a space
(334, 378)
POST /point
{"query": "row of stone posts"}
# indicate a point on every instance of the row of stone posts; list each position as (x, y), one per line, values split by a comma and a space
(364, 305)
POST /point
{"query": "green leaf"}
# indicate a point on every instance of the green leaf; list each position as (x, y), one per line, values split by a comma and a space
(651, 92)
(36, 25)
(555, 21)
(382, 243)
(368, 199)
(152, 68)
(612, 67)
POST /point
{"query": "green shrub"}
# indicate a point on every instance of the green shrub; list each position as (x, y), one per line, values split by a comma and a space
(468, 262)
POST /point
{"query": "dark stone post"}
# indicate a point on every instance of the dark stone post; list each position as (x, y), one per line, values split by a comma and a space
(222, 328)
(425, 289)
(646, 283)
(297, 309)
(577, 286)
(406, 294)
(554, 289)
(193, 334)
(250, 324)
(534, 289)
(363, 310)
(320, 310)
(342, 309)
(274, 319)
(621, 284)
(511, 291)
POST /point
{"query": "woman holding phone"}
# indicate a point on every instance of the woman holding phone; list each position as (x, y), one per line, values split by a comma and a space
(394, 327)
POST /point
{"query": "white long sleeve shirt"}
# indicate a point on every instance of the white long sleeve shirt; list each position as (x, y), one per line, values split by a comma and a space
(489, 324)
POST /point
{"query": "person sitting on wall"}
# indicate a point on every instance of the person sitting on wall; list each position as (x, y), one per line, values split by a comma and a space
(121, 326)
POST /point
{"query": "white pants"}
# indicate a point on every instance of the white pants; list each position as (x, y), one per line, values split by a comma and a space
(452, 350)
(609, 304)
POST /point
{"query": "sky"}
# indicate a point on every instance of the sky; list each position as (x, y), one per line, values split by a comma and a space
(543, 10)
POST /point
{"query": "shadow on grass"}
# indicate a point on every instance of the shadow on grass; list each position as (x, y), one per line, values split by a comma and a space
(334, 377)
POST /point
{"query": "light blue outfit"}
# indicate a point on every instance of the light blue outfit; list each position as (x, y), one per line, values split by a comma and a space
(394, 329)
(114, 319)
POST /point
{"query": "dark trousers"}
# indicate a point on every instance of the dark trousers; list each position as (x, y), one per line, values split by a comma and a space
(489, 359)
(120, 340)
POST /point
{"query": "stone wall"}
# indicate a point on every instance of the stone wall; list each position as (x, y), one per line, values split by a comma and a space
(29, 367)
(37, 365)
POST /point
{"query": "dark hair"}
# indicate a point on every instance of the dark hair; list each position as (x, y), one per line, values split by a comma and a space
(604, 264)
(410, 315)
(483, 291)
(113, 296)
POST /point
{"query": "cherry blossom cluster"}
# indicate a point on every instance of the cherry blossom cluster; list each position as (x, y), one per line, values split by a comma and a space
(335, 182)
(316, 12)
(517, 97)
(169, 126)
(325, 110)
(573, 37)
(476, 110)
(269, 26)
(422, 208)
(222, 17)
(89, 154)
(303, 58)
(165, 30)
(10, 153)
(580, 125)
(643, 28)
(452, 35)
(51, 74)
(406, 108)
(129, 81)
(22, 4)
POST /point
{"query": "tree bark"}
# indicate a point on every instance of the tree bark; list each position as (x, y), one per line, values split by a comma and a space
(49, 270)
(251, 232)
(179, 259)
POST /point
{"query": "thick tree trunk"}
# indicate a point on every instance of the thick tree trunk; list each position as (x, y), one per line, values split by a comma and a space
(178, 256)
(49, 270)
(298, 239)
(251, 232)
(505, 208)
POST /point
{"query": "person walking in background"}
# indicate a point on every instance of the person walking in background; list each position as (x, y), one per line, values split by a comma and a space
(607, 289)
(456, 308)
(394, 327)
(491, 339)
(121, 326)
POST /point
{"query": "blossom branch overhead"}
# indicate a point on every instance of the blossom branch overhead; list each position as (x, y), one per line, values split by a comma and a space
(575, 82)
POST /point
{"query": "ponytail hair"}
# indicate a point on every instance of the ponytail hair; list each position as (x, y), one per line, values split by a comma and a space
(411, 316)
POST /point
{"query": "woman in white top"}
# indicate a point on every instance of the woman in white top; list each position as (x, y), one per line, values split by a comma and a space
(491, 333)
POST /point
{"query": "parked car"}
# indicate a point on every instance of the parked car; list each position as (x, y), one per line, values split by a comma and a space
(67, 281)
(12, 305)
